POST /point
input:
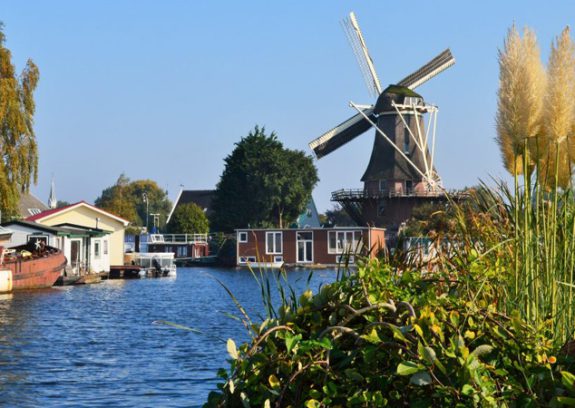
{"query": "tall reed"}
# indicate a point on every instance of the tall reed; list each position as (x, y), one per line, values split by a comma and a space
(534, 224)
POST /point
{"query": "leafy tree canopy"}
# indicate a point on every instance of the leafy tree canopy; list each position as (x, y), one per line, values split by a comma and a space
(263, 184)
(188, 219)
(62, 203)
(135, 201)
(337, 216)
(18, 148)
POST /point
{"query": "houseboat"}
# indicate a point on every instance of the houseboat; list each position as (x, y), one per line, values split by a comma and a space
(184, 246)
(330, 247)
(31, 266)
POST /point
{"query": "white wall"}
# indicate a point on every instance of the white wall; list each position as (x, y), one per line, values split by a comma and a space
(22, 233)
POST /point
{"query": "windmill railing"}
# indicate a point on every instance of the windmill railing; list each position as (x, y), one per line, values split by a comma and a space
(360, 194)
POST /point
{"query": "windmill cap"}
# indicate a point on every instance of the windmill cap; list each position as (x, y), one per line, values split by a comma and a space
(393, 93)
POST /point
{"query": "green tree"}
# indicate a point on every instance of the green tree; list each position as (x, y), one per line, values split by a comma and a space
(62, 203)
(135, 201)
(142, 191)
(263, 184)
(116, 200)
(338, 216)
(188, 219)
(18, 148)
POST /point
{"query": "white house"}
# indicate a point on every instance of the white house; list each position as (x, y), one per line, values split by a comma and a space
(86, 249)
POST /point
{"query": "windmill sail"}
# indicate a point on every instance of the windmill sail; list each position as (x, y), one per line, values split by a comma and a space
(429, 70)
(342, 133)
(359, 47)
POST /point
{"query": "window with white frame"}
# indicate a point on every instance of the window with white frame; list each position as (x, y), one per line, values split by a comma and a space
(105, 246)
(242, 236)
(273, 242)
(344, 241)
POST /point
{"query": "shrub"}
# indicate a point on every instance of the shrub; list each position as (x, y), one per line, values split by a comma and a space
(378, 339)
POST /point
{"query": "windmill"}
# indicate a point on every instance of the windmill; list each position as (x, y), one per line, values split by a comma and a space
(401, 172)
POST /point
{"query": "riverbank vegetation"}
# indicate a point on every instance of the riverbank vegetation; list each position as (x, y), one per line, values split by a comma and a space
(487, 320)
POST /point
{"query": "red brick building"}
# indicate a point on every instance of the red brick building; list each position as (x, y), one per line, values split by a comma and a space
(313, 246)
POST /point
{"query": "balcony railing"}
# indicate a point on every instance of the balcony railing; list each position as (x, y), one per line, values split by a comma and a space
(178, 238)
(360, 194)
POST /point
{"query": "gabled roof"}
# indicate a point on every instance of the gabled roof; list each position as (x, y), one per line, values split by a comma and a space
(30, 205)
(202, 198)
(49, 213)
(309, 218)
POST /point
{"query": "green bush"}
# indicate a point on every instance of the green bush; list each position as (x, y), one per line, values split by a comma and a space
(374, 338)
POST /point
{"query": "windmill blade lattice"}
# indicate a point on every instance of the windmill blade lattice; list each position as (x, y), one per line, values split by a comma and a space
(342, 133)
(429, 70)
(359, 47)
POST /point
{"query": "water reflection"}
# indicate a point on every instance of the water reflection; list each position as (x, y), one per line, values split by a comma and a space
(97, 345)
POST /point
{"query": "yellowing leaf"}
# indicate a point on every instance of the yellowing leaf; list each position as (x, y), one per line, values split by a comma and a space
(418, 330)
(311, 403)
(232, 350)
(274, 382)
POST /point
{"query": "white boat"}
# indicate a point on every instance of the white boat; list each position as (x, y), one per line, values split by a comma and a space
(155, 264)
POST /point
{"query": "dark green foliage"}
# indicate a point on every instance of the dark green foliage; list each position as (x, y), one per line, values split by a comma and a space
(378, 339)
(62, 203)
(337, 216)
(227, 252)
(188, 219)
(18, 147)
(263, 184)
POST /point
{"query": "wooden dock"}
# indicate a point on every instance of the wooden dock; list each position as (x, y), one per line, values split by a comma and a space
(124, 272)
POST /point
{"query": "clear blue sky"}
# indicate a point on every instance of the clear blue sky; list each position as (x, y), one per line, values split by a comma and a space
(163, 89)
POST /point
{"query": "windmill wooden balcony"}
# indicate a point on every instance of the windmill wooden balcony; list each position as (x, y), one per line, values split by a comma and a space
(363, 194)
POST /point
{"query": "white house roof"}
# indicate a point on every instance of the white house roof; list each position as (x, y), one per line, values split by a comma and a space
(57, 211)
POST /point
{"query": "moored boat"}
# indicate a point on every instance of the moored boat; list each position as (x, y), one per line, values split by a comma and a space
(30, 266)
(150, 264)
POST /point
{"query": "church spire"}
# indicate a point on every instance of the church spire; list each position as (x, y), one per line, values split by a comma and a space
(52, 202)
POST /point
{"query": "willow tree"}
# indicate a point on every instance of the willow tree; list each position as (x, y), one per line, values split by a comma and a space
(520, 101)
(18, 148)
(559, 113)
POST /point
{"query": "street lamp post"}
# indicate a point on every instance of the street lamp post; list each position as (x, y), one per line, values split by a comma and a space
(145, 199)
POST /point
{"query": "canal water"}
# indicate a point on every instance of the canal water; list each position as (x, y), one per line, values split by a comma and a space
(98, 345)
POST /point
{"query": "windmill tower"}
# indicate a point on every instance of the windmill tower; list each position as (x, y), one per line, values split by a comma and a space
(400, 174)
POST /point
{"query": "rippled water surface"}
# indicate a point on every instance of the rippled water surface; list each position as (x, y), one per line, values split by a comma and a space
(97, 345)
